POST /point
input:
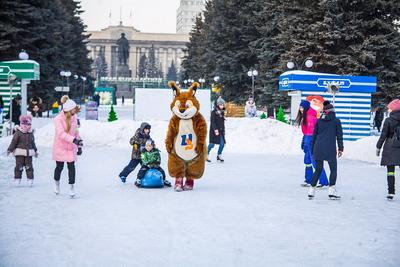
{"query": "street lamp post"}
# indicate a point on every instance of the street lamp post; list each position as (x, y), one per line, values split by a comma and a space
(11, 81)
(202, 81)
(252, 73)
(83, 78)
(67, 74)
(306, 62)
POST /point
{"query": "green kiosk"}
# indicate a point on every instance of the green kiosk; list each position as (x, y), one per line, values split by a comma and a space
(14, 78)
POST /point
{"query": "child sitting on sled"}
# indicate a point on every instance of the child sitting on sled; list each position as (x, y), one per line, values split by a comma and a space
(151, 159)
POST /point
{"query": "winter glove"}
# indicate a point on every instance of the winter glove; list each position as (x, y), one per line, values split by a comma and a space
(79, 151)
(340, 153)
(135, 146)
(78, 142)
(378, 152)
(216, 132)
(36, 155)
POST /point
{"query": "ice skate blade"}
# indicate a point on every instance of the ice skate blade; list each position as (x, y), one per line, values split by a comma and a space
(331, 197)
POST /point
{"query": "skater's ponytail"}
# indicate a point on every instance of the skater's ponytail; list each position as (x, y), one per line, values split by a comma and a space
(64, 100)
(68, 120)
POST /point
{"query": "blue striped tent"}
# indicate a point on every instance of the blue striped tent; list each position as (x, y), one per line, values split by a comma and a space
(352, 103)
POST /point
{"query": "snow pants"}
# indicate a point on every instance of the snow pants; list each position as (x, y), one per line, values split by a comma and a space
(391, 179)
(319, 169)
(22, 162)
(130, 167)
(71, 171)
(310, 163)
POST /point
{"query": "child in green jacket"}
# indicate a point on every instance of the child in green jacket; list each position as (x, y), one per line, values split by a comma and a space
(151, 159)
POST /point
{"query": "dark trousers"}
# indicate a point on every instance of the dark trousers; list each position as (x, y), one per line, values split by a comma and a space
(130, 167)
(318, 170)
(20, 163)
(220, 148)
(144, 169)
(71, 171)
(391, 179)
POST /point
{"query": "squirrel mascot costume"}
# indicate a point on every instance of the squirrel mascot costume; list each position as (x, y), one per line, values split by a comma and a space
(186, 138)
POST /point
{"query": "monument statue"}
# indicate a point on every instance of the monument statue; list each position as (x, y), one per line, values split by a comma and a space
(123, 49)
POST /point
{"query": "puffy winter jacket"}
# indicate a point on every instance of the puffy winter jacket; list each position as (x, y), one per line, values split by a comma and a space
(327, 131)
(138, 141)
(390, 154)
(64, 149)
(23, 143)
(311, 121)
(151, 158)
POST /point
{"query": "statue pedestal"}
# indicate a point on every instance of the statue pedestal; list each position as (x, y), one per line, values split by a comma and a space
(124, 88)
(123, 71)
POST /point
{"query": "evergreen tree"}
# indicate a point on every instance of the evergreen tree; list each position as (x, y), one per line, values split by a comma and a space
(142, 66)
(346, 37)
(268, 51)
(280, 116)
(193, 63)
(24, 24)
(172, 75)
(112, 115)
(100, 65)
(152, 64)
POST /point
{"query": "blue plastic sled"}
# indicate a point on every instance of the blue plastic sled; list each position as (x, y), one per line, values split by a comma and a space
(152, 179)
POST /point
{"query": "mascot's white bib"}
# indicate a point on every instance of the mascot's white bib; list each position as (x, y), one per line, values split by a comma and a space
(185, 142)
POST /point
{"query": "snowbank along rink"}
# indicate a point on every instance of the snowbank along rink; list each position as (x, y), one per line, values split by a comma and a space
(249, 211)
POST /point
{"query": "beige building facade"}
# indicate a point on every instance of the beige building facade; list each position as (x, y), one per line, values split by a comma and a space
(168, 47)
(186, 14)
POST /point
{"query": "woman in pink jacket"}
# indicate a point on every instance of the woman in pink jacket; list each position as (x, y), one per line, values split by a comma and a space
(67, 143)
(307, 118)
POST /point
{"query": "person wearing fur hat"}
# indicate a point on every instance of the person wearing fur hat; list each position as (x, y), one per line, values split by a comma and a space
(327, 132)
(67, 143)
(24, 148)
(390, 140)
(151, 159)
(138, 142)
(307, 119)
(217, 129)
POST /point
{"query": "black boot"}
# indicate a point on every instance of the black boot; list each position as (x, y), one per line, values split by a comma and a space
(219, 159)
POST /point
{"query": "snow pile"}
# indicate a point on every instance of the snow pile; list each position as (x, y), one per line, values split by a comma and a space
(363, 149)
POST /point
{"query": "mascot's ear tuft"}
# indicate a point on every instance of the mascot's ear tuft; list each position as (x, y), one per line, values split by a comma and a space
(174, 87)
(193, 88)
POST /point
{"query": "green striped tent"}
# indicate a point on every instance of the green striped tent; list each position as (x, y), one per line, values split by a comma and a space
(23, 69)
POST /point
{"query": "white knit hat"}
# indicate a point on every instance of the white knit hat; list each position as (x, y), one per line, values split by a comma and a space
(69, 105)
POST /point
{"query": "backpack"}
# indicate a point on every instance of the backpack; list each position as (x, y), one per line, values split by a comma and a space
(396, 135)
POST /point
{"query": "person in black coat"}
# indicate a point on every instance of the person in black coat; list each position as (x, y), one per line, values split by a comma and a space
(327, 132)
(1, 109)
(391, 147)
(217, 129)
(16, 110)
(378, 118)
